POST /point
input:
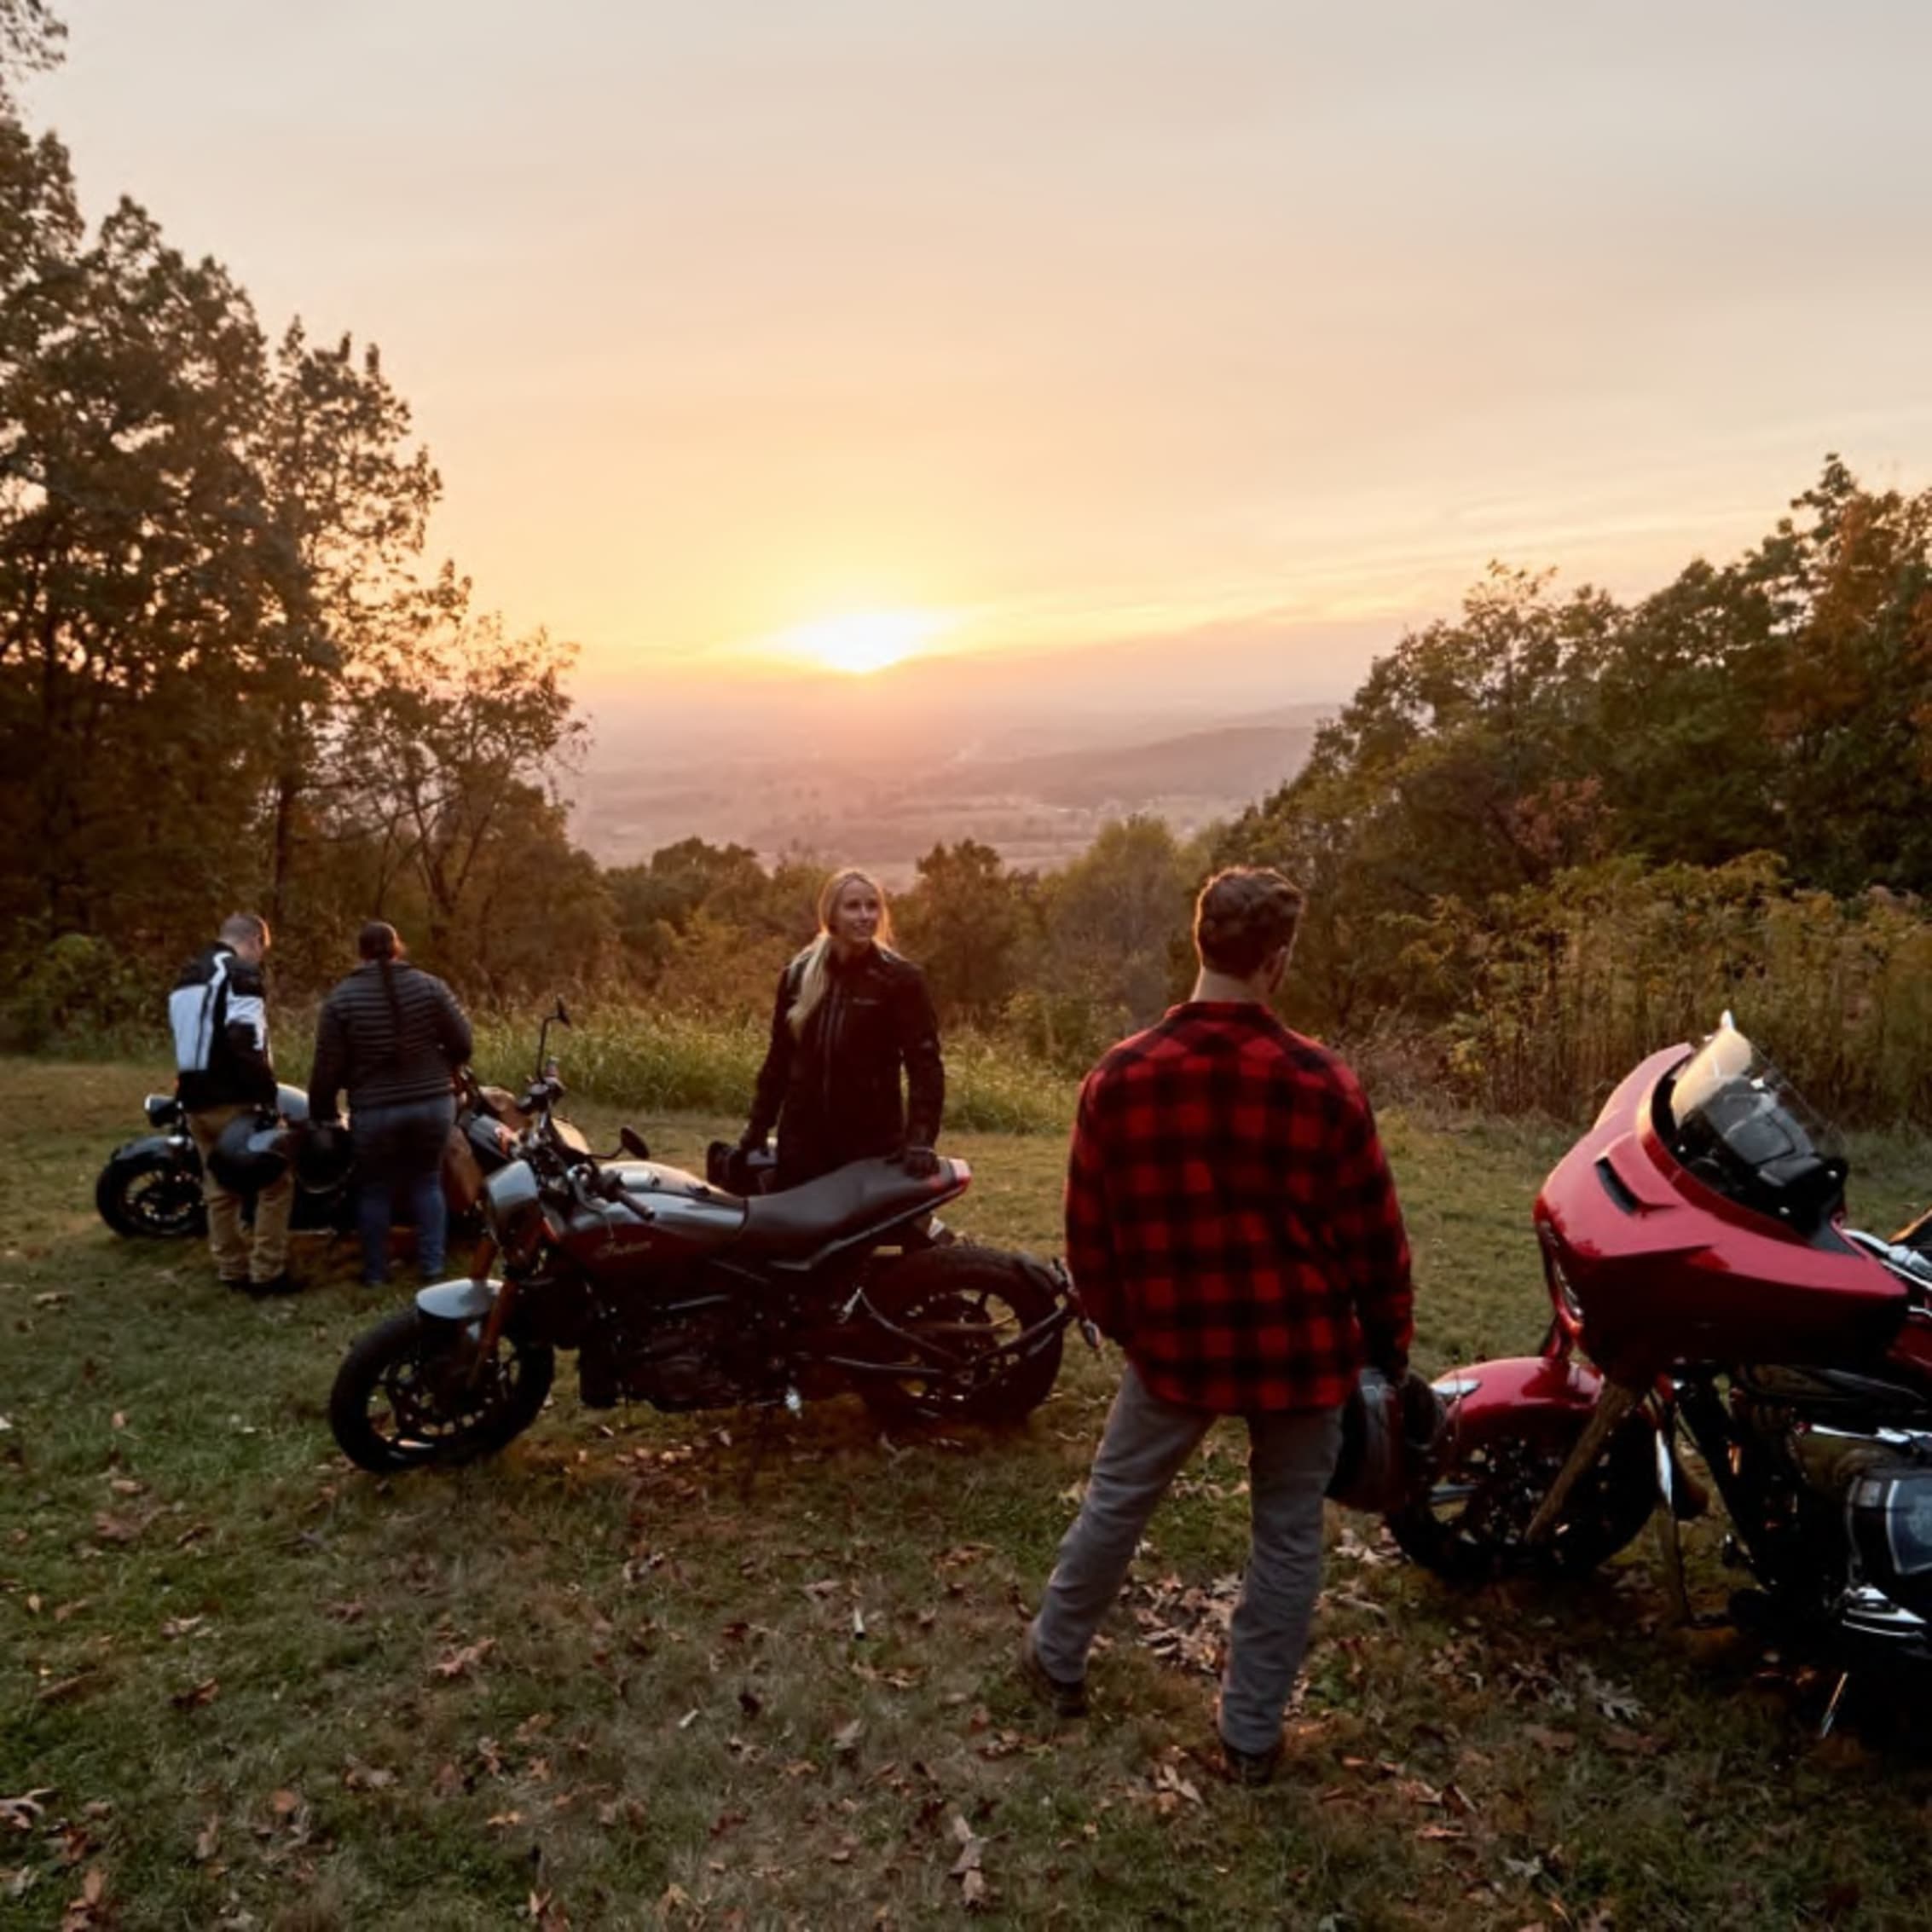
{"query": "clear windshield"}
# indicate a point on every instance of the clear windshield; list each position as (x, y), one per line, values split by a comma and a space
(1741, 1127)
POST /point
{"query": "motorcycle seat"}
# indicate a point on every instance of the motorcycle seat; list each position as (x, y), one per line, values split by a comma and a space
(799, 1221)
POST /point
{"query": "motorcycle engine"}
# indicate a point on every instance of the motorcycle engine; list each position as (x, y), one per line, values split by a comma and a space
(1880, 1489)
(672, 1364)
(1890, 1513)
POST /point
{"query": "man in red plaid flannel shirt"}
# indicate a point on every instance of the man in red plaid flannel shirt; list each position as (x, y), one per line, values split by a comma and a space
(1231, 1222)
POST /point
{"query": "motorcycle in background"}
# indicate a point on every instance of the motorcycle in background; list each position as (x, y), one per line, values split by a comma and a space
(686, 1295)
(151, 1188)
(1706, 1291)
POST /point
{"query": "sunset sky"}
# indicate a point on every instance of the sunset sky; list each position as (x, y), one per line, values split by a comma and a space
(1061, 321)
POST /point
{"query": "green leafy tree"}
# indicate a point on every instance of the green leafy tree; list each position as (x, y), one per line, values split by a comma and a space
(135, 571)
(966, 921)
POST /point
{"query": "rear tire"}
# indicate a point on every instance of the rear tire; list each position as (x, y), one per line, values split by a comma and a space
(151, 1195)
(404, 1398)
(970, 1300)
(1470, 1524)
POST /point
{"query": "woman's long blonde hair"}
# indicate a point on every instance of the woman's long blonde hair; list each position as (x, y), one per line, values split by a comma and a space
(817, 955)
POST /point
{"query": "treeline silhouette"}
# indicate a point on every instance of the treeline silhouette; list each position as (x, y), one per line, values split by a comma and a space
(1541, 838)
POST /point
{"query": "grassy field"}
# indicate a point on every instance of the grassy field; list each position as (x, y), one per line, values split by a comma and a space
(696, 1672)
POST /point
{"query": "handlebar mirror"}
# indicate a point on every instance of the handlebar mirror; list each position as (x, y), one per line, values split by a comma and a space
(633, 1143)
(560, 1013)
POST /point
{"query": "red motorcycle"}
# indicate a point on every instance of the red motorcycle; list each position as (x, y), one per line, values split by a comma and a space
(1695, 1254)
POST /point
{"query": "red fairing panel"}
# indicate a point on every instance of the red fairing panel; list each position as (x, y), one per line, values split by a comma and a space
(1667, 1270)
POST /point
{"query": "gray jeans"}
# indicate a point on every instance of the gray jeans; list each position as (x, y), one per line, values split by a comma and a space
(1291, 1457)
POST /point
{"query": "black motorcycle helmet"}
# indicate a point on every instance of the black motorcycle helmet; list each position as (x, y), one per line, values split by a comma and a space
(323, 1156)
(1390, 1431)
(251, 1152)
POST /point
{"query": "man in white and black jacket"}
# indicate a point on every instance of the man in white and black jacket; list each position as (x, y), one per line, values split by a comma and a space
(220, 1017)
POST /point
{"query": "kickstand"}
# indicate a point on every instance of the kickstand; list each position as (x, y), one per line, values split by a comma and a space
(761, 1439)
(1830, 1717)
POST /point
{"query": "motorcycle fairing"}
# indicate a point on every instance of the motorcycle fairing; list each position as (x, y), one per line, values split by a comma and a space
(1661, 1268)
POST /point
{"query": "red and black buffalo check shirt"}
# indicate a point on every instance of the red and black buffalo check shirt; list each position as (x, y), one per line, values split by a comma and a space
(1230, 1220)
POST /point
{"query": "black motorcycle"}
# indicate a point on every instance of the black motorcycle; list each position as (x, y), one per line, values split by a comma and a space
(686, 1295)
(151, 1188)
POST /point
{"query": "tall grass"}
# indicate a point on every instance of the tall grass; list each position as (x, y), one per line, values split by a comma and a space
(682, 1063)
(1567, 987)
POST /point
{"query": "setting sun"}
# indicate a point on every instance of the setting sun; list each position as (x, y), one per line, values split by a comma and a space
(859, 641)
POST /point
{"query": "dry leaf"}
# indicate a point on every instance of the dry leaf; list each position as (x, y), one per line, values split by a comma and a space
(208, 1841)
(284, 1804)
(845, 1739)
(973, 1891)
(461, 1663)
(197, 1695)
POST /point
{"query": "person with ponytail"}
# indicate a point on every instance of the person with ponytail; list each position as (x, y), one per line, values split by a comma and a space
(393, 1036)
(850, 1018)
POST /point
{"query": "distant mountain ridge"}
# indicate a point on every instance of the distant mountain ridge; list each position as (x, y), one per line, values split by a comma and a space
(889, 805)
(1230, 761)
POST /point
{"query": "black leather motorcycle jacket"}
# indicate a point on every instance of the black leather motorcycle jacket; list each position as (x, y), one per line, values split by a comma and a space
(834, 1092)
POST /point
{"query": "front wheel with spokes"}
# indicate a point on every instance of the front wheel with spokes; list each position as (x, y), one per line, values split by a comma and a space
(1472, 1524)
(413, 1392)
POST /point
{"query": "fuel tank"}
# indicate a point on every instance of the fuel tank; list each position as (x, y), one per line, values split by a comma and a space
(1651, 1266)
(662, 1214)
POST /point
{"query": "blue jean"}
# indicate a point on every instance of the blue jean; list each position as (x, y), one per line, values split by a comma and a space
(1290, 1456)
(399, 1156)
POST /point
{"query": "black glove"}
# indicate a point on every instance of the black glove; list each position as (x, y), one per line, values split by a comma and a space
(920, 1162)
(751, 1141)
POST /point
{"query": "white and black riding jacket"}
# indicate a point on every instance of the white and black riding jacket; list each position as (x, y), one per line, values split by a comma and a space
(220, 1018)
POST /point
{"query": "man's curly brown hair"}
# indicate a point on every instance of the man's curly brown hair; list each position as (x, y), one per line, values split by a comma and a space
(1243, 916)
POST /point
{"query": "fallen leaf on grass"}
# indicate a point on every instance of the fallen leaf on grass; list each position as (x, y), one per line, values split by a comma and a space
(109, 1529)
(197, 1695)
(845, 1739)
(1560, 1744)
(52, 1298)
(67, 1687)
(208, 1840)
(461, 1663)
(182, 1625)
(504, 1819)
(367, 1778)
(80, 1912)
(26, 1812)
(1633, 1744)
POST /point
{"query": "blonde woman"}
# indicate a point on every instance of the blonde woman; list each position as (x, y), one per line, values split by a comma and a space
(851, 1015)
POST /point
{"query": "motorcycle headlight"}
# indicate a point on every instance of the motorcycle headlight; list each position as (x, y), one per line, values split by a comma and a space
(513, 1210)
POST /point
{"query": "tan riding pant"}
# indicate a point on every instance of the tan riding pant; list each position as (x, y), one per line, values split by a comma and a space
(237, 1260)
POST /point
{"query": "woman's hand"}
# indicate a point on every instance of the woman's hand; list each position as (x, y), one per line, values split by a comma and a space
(921, 1163)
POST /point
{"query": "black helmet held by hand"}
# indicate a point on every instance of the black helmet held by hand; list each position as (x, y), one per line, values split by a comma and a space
(1390, 1433)
(251, 1152)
